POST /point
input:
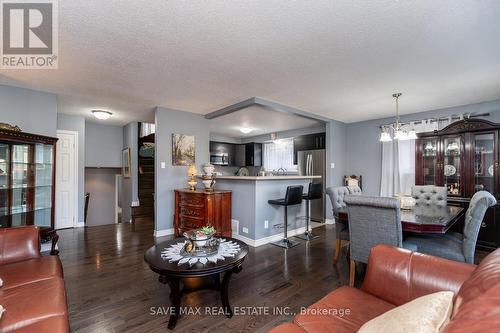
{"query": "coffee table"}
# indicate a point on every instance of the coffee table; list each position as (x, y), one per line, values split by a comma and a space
(173, 274)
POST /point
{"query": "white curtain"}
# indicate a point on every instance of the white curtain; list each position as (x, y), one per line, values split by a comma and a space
(278, 154)
(147, 129)
(398, 161)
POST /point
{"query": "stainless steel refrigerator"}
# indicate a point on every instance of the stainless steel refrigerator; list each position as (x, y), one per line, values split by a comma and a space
(313, 163)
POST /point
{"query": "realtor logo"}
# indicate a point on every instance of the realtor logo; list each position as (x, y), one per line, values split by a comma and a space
(29, 34)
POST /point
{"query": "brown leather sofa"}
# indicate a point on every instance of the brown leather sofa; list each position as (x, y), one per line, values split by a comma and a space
(33, 292)
(396, 276)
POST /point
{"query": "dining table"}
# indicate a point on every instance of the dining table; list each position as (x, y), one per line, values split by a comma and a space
(429, 219)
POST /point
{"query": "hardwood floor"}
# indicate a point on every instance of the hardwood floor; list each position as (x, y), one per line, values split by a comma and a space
(111, 289)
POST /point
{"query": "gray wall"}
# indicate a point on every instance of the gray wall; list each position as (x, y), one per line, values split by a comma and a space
(100, 183)
(33, 111)
(104, 144)
(130, 185)
(76, 123)
(364, 151)
(168, 122)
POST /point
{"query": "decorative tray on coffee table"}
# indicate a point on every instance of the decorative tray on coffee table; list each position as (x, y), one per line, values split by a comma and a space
(200, 244)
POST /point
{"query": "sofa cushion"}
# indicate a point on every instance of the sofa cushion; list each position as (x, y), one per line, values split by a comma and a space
(287, 328)
(325, 315)
(30, 303)
(479, 298)
(425, 314)
(28, 271)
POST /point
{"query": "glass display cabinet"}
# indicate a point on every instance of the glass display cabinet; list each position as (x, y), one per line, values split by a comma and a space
(27, 182)
(464, 158)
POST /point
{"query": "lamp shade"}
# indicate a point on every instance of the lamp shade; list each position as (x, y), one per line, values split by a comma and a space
(385, 137)
(192, 170)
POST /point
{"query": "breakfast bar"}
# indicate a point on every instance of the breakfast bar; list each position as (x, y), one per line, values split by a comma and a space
(254, 220)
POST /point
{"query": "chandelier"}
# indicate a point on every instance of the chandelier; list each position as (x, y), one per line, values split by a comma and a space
(400, 133)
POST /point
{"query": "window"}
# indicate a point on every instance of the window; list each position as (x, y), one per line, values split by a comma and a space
(279, 154)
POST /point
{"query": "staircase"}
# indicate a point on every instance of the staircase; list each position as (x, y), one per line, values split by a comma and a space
(146, 183)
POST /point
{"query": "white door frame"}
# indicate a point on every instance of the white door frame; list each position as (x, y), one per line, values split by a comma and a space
(75, 185)
(118, 209)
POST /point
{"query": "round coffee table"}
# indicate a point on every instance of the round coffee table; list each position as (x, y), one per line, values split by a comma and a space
(172, 273)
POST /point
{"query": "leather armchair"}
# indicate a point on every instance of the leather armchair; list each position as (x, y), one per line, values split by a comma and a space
(33, 293)
(396, 276)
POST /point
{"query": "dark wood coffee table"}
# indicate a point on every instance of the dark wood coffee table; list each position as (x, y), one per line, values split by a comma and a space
(173, 274)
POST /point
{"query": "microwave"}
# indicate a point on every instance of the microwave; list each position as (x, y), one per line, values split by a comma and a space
(219, 158)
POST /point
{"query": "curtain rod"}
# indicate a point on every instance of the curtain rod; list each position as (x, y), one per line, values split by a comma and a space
(452, 117)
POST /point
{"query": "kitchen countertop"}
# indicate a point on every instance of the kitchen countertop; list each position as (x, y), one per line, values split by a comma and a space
(266, 177)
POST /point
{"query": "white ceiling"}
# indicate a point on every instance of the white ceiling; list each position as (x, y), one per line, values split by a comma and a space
(261, 120)
(341, 59)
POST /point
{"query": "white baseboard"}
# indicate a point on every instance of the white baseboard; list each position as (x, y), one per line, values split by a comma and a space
(273, 238)
(329, 221)
(80, 224)
(164, 232)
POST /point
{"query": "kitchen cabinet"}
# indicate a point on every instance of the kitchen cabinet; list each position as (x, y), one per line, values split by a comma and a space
(253, 154)
(464, 157)
(308, 142)
(239, 156)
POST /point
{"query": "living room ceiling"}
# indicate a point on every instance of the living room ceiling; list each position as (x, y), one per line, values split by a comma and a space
(340, 59)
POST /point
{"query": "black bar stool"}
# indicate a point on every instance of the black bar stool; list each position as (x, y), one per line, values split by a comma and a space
(293, 197)
(314, 192)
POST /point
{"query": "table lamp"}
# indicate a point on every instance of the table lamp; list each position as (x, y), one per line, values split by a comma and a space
(192, 177)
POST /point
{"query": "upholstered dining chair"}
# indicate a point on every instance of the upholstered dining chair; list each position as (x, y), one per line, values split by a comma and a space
(455, 246)
(430, 195)
(355, 190)
(337, 195)
(372, 221)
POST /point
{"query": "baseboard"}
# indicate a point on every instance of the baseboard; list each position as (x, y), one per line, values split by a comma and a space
(273, 238)
(164, 232)
(329, 221)
(80, 224)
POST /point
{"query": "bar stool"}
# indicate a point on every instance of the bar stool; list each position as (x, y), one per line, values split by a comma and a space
(314, 192)
(293, 197)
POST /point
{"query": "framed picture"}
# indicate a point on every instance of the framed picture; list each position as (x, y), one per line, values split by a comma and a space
(126, 162)
(183, 149)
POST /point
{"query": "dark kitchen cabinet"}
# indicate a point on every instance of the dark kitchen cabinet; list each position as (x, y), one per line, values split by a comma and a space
(308, 142)
(464, 157)
(253, 154)
(239, 155)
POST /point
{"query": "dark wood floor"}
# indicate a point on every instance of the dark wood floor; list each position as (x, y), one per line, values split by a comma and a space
(111, 289)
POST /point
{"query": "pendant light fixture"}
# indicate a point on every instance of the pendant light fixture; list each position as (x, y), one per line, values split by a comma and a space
(399, 132)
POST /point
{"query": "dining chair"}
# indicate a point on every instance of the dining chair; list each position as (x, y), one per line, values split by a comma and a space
(353, 180)
(430, 195)
(372, 221)
(456, 246)
(337, 195)
(355, 190)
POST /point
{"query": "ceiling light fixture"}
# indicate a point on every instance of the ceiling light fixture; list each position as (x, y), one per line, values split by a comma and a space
(101, 114)
(399, 132)
(246, 130)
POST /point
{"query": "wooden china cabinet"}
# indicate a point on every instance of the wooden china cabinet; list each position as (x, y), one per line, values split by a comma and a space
(464, 157)
(27, 182)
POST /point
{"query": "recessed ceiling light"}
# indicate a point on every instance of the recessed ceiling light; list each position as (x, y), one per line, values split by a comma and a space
(246, 130)
(101, 114)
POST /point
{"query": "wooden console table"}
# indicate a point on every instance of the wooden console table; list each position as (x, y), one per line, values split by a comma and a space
(195, 209)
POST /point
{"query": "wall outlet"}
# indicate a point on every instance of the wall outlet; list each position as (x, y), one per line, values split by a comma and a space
(332, 165)
(162, 165)
(266, 224)
(245, 230)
